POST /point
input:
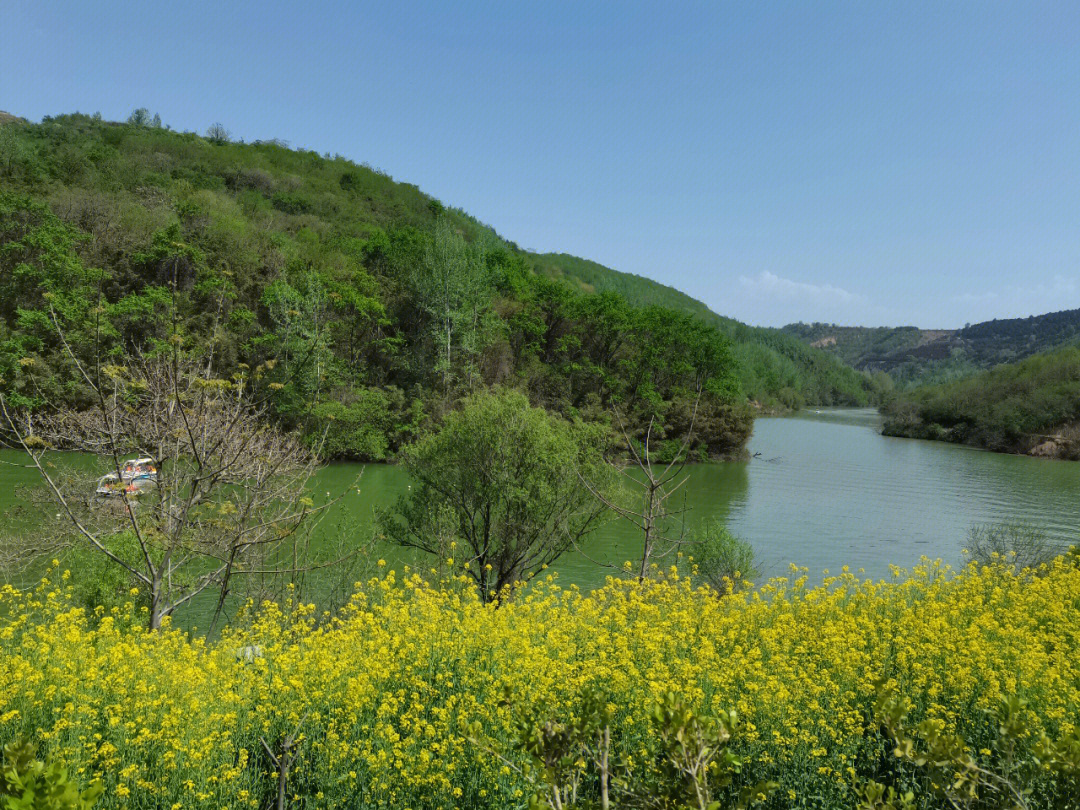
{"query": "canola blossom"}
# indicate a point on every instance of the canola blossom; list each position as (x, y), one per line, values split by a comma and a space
(403, 698)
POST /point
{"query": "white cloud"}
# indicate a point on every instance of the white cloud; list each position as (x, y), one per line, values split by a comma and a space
(1015, 300)
(773, 286)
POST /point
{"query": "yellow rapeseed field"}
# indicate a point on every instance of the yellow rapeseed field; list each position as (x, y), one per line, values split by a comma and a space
(385, 695)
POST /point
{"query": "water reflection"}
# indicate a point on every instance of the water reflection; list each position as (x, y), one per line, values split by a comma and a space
(823, 489)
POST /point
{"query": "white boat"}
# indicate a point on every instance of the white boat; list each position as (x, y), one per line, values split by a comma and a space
(136, 475)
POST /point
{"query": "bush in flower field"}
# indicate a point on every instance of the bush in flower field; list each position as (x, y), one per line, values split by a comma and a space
(27, 783)
(416, 695)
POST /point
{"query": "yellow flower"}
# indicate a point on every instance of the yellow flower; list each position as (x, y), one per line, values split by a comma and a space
(403, 695)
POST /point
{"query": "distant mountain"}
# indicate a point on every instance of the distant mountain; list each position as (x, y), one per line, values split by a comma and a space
(913, 356)
(775, 368)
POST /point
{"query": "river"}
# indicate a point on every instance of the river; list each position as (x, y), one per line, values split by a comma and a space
(823, 489)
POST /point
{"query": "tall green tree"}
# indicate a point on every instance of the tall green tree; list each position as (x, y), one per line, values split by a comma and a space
(43, 281)
(454, 288)
(301, 340)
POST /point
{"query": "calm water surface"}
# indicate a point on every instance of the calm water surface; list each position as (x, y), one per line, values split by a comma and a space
(824, 489)
(828, 490)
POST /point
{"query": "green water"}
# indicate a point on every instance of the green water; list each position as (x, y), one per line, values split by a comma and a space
(824, 490)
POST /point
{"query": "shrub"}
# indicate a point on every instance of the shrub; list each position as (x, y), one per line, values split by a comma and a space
(1022, 546)
(27, 783)
(349, 181)
(724, 562)
(101, 582)
(1010, 774)
(291, 203)
(357, 429)
(565, 757)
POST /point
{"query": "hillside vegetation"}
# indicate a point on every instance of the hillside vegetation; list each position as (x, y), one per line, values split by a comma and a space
(912, 356)
(774, 368)
(1032, 406)
(368, 307)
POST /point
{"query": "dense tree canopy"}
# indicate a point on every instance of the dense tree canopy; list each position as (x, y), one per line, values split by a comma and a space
(774, 368)
(372, 308)
(1033, 405)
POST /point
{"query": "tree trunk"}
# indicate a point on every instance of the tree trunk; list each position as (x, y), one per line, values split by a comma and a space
(156, 610)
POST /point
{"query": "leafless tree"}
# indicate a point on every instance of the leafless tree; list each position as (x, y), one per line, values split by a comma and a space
(655, 485)
(217, 133)
(228, 496)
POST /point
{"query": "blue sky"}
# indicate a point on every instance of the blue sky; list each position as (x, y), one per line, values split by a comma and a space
(863, 162)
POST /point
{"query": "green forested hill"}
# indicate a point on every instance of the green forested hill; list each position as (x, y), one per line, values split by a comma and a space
(1009, 339)
(371, 307)
(913, 356)
(774, 368)
(1031, 406)
(862, 347)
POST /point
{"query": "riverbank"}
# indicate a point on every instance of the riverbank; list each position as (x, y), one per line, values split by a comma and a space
(1061, 442)
(1030, 408)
